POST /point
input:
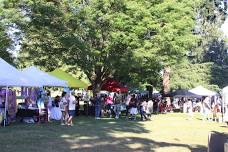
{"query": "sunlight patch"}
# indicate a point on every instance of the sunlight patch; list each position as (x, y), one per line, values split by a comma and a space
(65, 136)
(88, 138)
(172, 148)
(135, 146)
(112, 122)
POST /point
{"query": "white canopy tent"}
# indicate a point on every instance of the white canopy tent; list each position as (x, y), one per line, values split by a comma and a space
(201, 91)
(225, 95)
(44, 78)
(10, 76)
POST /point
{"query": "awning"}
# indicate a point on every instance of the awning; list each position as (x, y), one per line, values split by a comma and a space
(201, 91)
(10, 76)
(184, 93)
(44, 78)
(71, 81)
(112, 85)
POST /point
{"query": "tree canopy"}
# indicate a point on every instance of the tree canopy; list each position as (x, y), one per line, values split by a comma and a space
(4, 41)
(130, 40)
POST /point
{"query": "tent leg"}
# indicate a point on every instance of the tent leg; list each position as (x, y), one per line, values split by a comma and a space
(223, 108)
(6, 103)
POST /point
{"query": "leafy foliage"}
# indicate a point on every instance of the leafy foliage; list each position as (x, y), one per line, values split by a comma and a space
(187, 76)
(4, 41)
(127, 39)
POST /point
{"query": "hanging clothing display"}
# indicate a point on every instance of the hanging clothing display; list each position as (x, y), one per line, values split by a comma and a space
(11, 105)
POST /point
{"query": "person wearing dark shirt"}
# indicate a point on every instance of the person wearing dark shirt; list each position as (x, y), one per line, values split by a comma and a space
(56, 101)
(78, 99)
(97, 103)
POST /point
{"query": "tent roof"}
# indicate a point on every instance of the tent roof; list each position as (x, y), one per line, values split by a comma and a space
(225, 89)
(44, 78)
(184, 93)
(201, 91)
(72, 81)
(112, 85)
(10, 76)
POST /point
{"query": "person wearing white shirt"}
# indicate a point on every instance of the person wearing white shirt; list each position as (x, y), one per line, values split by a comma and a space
(71, 108)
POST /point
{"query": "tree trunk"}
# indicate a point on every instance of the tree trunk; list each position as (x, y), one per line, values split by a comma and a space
(96, 87)
(166, 81)
(97, 80)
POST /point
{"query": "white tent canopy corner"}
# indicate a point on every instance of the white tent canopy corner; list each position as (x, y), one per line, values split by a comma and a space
(10, 76)
(201, 91)
(44, 78)
(224, 94)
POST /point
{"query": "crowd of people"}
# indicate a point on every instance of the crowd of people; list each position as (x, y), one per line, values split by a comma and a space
(131, 106)
(210, 108)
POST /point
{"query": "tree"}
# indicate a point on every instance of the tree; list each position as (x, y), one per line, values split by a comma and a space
(4, 41)
(129, 39)
(211, 46)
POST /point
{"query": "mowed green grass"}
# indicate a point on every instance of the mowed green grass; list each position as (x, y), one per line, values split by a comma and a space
(165, 133)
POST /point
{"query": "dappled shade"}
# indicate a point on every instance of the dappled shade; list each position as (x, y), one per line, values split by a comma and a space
(72, 81)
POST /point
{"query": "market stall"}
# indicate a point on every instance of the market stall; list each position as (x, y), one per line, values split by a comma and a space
(112, 85)
(11, 77)
(201, 91)
(224, 94)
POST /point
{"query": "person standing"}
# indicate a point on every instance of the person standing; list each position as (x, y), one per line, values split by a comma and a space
(128, 99)
(143, 105)
(133, 107)
(189, 109)
(109, 103)
(63, 107)
(149, 108)
(97, 103)
(117, 102)
(71, 108)
(49, 104)
(78, 99)
(206, 108)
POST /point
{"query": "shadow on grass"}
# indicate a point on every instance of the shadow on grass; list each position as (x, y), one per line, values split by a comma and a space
(88, 135)
(224, 126)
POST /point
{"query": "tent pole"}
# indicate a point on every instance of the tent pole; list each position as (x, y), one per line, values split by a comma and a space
(223, 108)
(6, 103)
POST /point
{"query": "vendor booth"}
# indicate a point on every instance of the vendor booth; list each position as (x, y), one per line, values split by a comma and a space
(11, 77)
(224, 94)
(112, 85)
(184, 93)
(201, 91)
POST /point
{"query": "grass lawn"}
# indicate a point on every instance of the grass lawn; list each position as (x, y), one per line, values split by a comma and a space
(165, 133)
